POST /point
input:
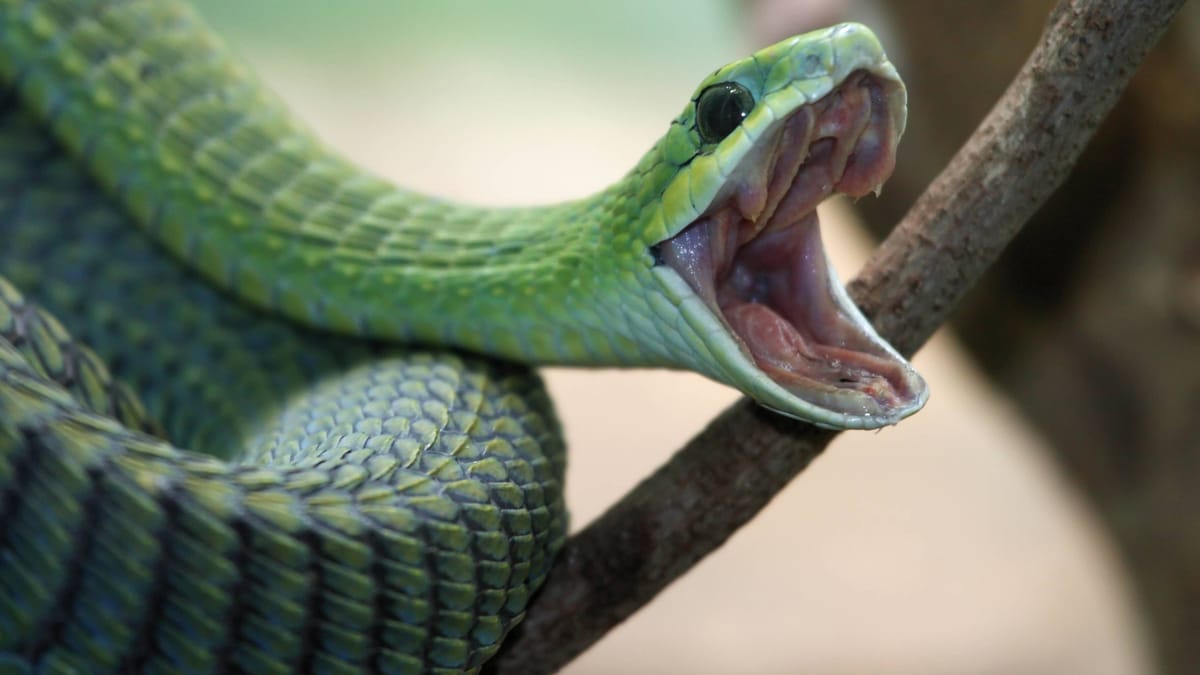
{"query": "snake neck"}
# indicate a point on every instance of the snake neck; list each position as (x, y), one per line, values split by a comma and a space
(215, 169)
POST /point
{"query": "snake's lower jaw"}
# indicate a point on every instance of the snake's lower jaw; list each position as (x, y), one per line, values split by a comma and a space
(756, 259)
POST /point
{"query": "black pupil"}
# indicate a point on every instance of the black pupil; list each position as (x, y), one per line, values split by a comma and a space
(720, 109)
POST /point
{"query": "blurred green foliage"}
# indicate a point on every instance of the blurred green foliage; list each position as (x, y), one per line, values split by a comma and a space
(622, 33)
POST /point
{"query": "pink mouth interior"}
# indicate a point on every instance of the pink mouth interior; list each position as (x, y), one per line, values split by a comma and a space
(756, 258)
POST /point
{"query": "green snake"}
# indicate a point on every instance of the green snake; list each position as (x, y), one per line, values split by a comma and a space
(374, 482)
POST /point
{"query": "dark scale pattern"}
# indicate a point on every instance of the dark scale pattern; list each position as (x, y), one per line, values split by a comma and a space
(384, 511)
(48, 348)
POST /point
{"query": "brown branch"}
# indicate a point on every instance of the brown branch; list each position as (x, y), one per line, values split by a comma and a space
(1020, 154)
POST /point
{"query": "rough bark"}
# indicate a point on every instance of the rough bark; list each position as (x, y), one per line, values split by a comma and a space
(723, 477)
(1090, 321)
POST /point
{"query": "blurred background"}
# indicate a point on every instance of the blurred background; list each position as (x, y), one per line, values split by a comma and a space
(1039, 516)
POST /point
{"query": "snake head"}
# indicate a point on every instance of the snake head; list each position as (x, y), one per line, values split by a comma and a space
(735, 244)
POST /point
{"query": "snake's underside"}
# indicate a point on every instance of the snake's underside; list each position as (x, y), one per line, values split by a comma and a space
(195, 268)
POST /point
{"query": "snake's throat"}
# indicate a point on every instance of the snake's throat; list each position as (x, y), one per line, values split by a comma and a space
(756, 259)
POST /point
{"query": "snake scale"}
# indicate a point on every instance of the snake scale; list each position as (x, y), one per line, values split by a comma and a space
(373, 481)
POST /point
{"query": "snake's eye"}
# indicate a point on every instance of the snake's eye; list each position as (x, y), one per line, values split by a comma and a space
(720, 109)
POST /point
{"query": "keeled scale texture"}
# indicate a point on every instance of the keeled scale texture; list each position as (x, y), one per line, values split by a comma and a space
(392, 511)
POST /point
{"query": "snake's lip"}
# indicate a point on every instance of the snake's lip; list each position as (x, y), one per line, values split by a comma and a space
(756, 259)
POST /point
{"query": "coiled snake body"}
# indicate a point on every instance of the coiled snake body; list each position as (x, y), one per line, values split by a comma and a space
(349, 505)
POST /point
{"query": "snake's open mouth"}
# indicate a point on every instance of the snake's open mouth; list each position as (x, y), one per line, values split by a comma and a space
(756, 259)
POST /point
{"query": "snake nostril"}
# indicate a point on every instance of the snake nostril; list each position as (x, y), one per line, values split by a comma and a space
(656, 253)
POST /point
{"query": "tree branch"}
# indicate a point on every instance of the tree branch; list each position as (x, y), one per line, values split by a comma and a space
(1019, 155)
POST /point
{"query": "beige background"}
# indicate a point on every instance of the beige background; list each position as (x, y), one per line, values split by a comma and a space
(947, 544)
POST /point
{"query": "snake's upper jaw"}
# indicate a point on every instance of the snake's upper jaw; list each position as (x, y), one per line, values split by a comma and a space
(756, 260)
